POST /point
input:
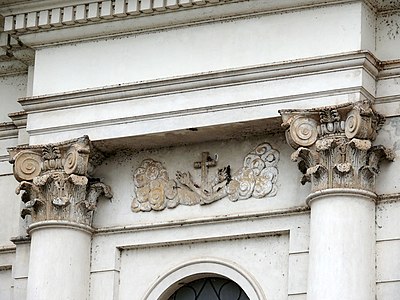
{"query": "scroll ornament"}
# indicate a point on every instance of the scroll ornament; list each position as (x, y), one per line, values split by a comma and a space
(334, 145)
(56, 180)
(154, 190)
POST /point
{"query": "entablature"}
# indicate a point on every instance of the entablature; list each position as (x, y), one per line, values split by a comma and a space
(201, 106)
(31, 21)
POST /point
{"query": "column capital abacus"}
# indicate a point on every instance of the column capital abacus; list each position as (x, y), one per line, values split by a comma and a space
(334, 145)
(57, 182)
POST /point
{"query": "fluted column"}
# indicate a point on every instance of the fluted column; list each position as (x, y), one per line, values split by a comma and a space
(60, 196)
(334, 152)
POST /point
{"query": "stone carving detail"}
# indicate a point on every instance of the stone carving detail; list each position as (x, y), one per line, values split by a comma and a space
(156, 191)
(56, 181)
(336, 151)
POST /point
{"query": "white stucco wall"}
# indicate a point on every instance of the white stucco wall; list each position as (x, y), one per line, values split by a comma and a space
(12, 87)
(201, 48)
(310, 57)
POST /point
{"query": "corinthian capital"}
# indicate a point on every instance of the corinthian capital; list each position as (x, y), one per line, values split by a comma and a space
(334, 145)
(56, 180)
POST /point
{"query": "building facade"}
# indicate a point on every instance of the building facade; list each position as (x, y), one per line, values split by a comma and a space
(200, 149)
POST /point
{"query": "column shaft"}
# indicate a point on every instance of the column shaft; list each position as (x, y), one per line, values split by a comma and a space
(342, 247)
(59, 264)
(335, 152)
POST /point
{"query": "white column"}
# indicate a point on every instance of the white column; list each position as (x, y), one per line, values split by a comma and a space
(342, 245)
(335, 153)
(59, 264)
(60, 196)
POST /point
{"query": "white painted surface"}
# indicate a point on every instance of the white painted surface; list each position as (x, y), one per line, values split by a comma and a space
(11, 88)
(264, 258)
(107, 245)
(155, 243)
(117, 172)
(199, 107)
(214, 46)
(342, 247)
(387, 41)
(5, 284)
(59, 264)
(20, 270)
(9, 208)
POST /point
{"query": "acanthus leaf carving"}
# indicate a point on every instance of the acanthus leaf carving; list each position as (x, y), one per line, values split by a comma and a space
(154, 190)
(55, 181)
(342, 156)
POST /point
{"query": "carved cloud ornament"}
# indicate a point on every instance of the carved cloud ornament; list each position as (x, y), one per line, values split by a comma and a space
(334, 145)
(56, 180)
(154, 190)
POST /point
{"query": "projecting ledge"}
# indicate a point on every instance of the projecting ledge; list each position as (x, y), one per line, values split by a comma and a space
(197, 107)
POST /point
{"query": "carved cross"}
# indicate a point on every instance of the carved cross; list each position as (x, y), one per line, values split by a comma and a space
(205, 163)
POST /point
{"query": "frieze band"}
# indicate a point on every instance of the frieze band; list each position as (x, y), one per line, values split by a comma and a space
(154, 190)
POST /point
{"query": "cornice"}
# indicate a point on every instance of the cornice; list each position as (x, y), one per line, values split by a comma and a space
(8, 130)
(19, 119)
(29, 19)
(390, 69)
(201, 81)
(56, 23)
(52, 14)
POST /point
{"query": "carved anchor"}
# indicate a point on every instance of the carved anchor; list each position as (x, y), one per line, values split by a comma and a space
(205, 163)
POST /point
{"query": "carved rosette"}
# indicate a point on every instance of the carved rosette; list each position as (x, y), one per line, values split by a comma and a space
(56, 181)
(334, 145)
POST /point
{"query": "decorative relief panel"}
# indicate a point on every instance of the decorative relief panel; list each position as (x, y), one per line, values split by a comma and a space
(334, 145)
(155, 190)
(56, 180)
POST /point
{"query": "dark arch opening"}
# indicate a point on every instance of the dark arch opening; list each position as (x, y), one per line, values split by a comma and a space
(210, 288)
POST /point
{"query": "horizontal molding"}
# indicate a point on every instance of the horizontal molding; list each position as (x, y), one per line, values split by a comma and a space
(8, 130)
(71, 30)
(7, 249)
(388, 240)
(238, 106)
(104, 271)
(256, 93)
(4, 157)
(205, 220)
(95, 12)
(297, 294)
(5, 268)
(388, 281)
(389, 69)
(382, 198)
(387, 99)
(48, 15)
(275, 71)
(299, 252)
(204, 239)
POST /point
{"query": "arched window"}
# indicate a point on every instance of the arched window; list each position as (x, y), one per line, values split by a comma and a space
(210, 288)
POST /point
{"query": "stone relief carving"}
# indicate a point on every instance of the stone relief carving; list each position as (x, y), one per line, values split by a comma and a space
(334, 145)
(56, 180)
(156, 191)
